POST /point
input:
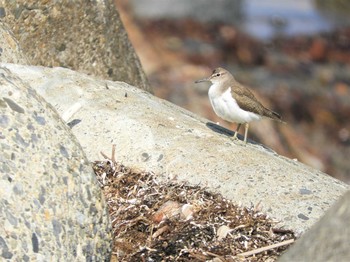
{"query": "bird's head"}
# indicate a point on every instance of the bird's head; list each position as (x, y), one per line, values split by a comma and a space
(219, 75)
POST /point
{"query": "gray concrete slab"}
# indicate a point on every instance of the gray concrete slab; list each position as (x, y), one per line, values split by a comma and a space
(328, 240)
(51, 206)
(155, 135)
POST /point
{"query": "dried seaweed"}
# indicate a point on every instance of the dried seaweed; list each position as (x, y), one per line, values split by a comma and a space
(153, 220)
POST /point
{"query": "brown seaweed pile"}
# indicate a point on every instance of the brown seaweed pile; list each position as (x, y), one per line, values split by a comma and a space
(153, 220)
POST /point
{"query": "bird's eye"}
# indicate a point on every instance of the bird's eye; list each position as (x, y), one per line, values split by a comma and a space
(217, 74)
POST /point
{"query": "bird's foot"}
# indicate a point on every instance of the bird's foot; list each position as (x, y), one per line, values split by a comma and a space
(234, 137)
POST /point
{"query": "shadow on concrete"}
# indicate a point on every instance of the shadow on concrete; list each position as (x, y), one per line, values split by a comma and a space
(222, 130)
(229, 133)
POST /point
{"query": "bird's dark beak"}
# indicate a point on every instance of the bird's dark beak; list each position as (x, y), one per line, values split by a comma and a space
(202, 80)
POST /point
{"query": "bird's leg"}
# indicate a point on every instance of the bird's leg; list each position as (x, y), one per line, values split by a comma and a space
(235, 135)
(246, 132)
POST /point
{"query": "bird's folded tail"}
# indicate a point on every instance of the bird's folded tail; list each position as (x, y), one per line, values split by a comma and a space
(273, 115)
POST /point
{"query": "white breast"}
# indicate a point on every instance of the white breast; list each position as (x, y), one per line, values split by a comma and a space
(226, 107)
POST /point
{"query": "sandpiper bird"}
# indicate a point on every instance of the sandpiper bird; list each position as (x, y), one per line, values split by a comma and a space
(234, 102)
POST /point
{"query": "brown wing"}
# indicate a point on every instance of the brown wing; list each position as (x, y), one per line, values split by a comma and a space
(243, 91)
(248, 102)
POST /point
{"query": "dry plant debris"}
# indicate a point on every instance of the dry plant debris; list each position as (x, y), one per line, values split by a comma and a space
(168, 221)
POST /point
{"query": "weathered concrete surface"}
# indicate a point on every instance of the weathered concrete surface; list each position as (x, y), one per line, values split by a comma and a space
(156, 135)
(10, 52)
(328, 240)
(87, 36)
(51, 206)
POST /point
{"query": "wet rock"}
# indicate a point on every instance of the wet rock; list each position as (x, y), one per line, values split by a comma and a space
(318, 50)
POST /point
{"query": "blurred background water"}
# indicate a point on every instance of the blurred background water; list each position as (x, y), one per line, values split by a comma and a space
(262, 19)
(294, 55)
